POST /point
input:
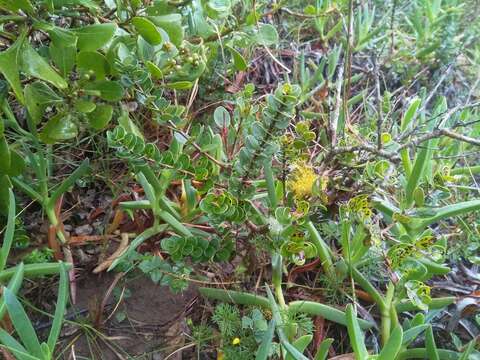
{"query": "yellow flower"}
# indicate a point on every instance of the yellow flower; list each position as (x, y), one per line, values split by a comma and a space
(236, 341)
(301, 180)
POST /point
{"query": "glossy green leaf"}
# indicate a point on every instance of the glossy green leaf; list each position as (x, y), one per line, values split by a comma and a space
(172, 25)
(147, 30)
(93, 37)
(10, 68)
(93, 61)
(238, 60)
(85, 106)
(59, 128)
(38, 96)
(101, 116)
(63, 49)
(22, 323)
(154, 70)
(355, 334)
(107, 90)
(35, 65)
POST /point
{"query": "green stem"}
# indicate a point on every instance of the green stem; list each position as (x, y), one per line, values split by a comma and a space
(322, 249)
(386, 314)
(369, 288)
(277, 265)
(52, 217)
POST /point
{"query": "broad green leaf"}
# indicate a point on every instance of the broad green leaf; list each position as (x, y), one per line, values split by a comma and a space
(63, 49)
(38, 96)
(147, 30)
(22, 323)
(172, 25)
(93, 37)
(101, 116)
(264, 349)
(154, 70)
(10, 68)
(393, 345)
(93, 61)
(238, 60)
(59, 128)
(85, 106)
(218, 8)
(355, 334)
(35, 65)
(267, 35)
(107, 90)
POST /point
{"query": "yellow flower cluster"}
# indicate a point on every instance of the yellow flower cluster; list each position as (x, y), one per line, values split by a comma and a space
(301, 180)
